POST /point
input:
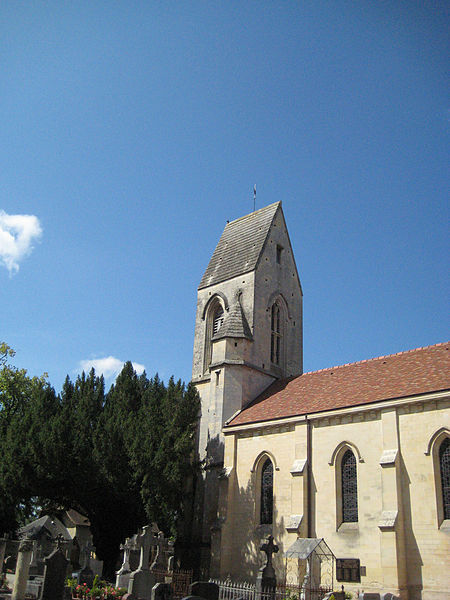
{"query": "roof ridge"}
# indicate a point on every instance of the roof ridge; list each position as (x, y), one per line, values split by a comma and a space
(360, 362)
(254, 212)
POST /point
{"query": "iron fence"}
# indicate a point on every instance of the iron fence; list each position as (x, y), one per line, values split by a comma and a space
(179, 580)
(243, 590)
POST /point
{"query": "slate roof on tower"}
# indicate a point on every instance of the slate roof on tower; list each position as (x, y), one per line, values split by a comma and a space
(240, 246)
(235, 325)
(402, 375)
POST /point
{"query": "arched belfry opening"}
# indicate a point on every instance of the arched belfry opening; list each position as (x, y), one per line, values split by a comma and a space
(214, 318)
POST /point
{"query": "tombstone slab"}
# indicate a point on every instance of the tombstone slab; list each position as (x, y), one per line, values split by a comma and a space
(86, 575)
(204, 589)
(54, 576)
(2, 552)
(161, 591)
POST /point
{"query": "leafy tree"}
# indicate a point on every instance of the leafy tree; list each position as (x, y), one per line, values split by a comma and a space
(16, 390)
(120, 458)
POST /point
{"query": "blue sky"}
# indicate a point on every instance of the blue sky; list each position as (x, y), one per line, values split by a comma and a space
(131, 132)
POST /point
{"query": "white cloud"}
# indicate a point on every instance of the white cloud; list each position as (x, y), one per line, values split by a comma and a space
(110, 366)
(17, 233)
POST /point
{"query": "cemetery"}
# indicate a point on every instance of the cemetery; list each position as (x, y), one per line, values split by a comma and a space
(41, 568)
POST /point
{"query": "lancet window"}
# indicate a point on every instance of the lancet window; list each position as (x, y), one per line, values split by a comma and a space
(266, 506)
(444, 467)
(349, 488)
(275, 341)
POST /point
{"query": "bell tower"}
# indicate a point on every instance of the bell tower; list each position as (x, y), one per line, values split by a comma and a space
(248, 332)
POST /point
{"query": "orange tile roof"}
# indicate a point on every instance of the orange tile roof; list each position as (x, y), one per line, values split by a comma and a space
(411, 373)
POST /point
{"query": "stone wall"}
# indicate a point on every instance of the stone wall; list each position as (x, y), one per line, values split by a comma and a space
(401, 544)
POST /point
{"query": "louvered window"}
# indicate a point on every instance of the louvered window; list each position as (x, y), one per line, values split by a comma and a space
(349, 488)
(444, 464)
(275, 342)
(266, 512)
(217, 320)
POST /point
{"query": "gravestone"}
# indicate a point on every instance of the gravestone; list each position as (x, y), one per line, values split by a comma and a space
(2, 552)
(160, 563)
(142, 580)
(123, 574)
(86, 575)
(369, 596)
(135, 553)
(204, 589)
(171, 563)
(162, 591)
(10, 563)
(22, 569)
(266, 580)
(54, 575)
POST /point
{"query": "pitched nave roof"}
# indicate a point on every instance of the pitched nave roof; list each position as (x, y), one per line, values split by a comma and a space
(411, 373)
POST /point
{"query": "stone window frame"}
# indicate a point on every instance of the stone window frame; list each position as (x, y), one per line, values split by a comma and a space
(336, 461)
(277, 300)
(216, 302)
(433, 450)
(257, 471)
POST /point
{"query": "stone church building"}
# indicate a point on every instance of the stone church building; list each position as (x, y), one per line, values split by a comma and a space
(358, 455)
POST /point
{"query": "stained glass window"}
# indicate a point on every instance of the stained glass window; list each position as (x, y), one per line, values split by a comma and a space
(266, 493)
(444, 464)
(349, 488)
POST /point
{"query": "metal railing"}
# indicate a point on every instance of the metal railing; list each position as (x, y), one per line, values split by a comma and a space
(243, 590)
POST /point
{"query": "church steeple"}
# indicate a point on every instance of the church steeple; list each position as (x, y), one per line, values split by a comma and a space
(251, 271)
(248, 331)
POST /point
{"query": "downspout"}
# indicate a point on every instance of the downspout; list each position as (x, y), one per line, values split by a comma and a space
(309, 476)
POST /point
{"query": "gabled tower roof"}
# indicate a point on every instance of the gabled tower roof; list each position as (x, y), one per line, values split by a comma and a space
(240, 246)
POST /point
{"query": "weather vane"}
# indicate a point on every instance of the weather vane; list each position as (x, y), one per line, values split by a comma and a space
(254, 197)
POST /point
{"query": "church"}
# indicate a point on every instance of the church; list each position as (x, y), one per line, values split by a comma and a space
(357, 455)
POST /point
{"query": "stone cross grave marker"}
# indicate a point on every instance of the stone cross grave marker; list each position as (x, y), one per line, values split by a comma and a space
(142, 580)
(123, 574)
(266, 579)
(160, 563)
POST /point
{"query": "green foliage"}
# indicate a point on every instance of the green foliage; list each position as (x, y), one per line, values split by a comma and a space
(71, 583)
(121, 458)
(5, 351)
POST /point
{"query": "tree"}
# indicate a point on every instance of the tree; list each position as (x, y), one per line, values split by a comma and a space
(16, 390)
(120, 458)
